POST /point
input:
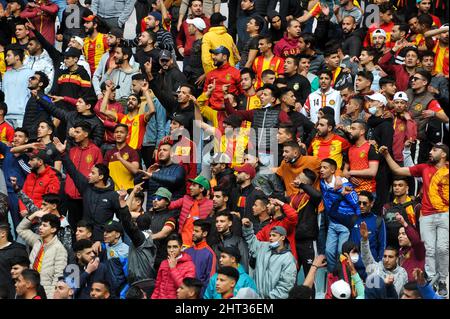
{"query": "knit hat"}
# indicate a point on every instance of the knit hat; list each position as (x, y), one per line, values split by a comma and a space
(156, 15)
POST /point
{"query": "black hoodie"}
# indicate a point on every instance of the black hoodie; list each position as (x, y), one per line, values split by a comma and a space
(7, 256)
(352, 43)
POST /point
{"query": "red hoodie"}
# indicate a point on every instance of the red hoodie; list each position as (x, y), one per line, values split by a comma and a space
(170, 279)
(43, 18)
(286, 47)
(83, 159)
(36, 185)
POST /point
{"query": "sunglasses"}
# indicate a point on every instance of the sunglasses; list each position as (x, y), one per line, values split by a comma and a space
(363, 203)
(157, 197)
(33, 78)
(415, 78)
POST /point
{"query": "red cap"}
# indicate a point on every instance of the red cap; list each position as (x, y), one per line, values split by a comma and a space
(89, 18)
(246, 168)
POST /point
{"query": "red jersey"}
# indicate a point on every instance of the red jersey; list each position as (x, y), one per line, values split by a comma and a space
(136, 128)
(332, 148)
(6, 134)
(359, 159)
(387, 28)
(261, 64)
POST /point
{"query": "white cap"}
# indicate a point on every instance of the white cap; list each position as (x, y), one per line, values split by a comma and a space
(79, 40)
(401, 96)
(341, 290)
(377, 97)
(379, 32)
(198, 23)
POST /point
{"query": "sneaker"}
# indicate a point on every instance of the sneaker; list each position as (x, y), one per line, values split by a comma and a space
(442, 289)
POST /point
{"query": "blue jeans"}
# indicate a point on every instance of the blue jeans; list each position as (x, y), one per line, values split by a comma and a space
(337, 235)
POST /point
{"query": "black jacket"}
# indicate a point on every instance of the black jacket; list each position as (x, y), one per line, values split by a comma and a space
(307, 226)
(352, 43)
(226, 179)
(68, 20)
(381, 130)
(34, 114)
(247, 196)
(170, 80)
(213, 235)
(171, 177)
(300, 85)
(7, 255)
(231, 240)
(72, 117)
(86, 280)
(99, 204)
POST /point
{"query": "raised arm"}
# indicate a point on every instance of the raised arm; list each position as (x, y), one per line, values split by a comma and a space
(103, 107)
(151, 107)
(50, 107)
(395, 168)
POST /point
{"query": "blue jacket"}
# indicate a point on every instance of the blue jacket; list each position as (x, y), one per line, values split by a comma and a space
(428, 293)
(204, 260)
(157, 127)
(243, 282)
(340, 209)
(377, 235)
(14, 167)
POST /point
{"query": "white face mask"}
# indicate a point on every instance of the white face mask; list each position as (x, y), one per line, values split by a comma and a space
(373, 110)
(274, 245)
(354, 258)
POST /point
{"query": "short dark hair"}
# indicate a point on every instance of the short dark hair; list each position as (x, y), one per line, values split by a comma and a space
(427, 53)
(361, 123)
(222, 189)
(266, 37)
(136, 77)
(292, 144)
(193, 283)
(134, 292)
(226, 214)
(52, 220)
(366, 74)
(16, 51)
(4, 108)
(289, 128)
(121, 125)
(386, 80)
(203, 224)
(293, 57)
(104, 283)
(389, 247)
(310, 175)
(53, 199)
(403, 27)
(385, 7)
(43, 78)
(400, 178)
(330, 121)
(412, 286)
(32, 276)
(371, 52)
(249, 72)
(85, 126)
(267, 72)
(144, 222)
(175, 237)
(325, 71)
(126, 50)
(330, 51)
(49, 124)
(425, 74)
(300, 292)
(310, 39)
(103, 170)
(23, 130)
(330, 161)
(20, 260)
(90, 99)
(413, 49)
(263, 198)
(273, 89)
(85, 224)
(81, 244)
(425, 19)
(358, 100)
(189, 86)
(152, 34)
(229, 272)
(366, 194)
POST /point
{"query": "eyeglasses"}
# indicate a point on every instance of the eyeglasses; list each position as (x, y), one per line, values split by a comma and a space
(363, 203)
(415, 78)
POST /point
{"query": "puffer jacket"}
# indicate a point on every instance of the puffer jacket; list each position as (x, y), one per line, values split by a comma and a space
(340, 209)
(244, 281)
(168, 280)
(54, 260)
(215, 37)
(37, 185)
(205, 207)
(275, 272)
(43, 63)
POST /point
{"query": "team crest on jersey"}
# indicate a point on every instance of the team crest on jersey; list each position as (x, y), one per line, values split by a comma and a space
(99, 46)
(362, 154)
(332, 102)
(296, 86)
(401, 127)
(135, 123)
(89, 158)
(418, 107)
(228, 77)
(332, 148)
(111, 253)
(125, 156)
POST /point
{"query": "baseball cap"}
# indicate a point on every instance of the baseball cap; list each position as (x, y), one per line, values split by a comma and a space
(72, 52)
(379, 32)
(377, 97)
(341, 290)
(79, 40)
(180, 118)
(401, 96)
(156, 15)
(118, 33)
(443, 147)
(219, 50)
(113, 226)
(246, 168)
(4, 225)
(163, 192)
(165, 55)
(202, 181)
(232, 251)
(89, 18)
(42, 154)
(220, 158)
(279, 230)
(198, 23)
(216, 19)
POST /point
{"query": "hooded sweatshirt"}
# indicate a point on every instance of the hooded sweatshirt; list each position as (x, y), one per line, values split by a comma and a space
(122, 80)
(215, 37)
(286, 47)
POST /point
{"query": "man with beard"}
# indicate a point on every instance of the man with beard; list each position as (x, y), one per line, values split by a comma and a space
(434, 212)
(136, 122)
(440, 50)
(242, 196)
(114, 38)
(90, 267)
(193, 207)
(327, 144)
(290, 44)
(386, 13)
(163, 223)
(42, 180)
(147, 51)
(33, 112)
(100, 201)
(169, 78)
(39, 60)
(222, 173)
(296, 82)
(95, 43)
(248, 100)
(324, 96)
(122, 160)
(224, 74)
(164, 39)
(120, 72)
(352, 37)
(401, 73)
(346, 8)
(227, 238)
(202, 255)
(293, 164)
(220, 205)
(363, 159)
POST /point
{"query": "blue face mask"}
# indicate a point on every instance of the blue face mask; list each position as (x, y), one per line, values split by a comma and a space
(274, 245)
(373, 110)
